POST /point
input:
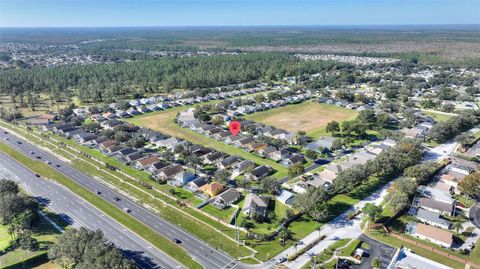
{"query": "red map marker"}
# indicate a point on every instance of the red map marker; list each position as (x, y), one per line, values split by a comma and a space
(234, 127)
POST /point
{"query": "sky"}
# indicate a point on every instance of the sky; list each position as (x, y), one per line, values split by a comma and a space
(106, 13)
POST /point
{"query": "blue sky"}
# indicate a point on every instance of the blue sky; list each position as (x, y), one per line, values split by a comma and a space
(40, 13)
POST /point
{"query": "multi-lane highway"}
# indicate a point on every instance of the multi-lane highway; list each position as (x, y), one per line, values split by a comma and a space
(203, 253)
(80, 213)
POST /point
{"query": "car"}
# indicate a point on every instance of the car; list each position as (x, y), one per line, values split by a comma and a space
(99, 192)
(176, 240)
(5, 132)
(116, 198)
(39, 157)
(126, 209)
(37, 175)
(57, 165)
(281, 260)
(31, 152)
(7, 138)
(19, 142)
(48, 162)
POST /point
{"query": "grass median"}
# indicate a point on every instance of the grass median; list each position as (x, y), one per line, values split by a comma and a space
(139, 228)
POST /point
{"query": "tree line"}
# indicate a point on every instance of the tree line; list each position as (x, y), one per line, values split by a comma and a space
(102, 82)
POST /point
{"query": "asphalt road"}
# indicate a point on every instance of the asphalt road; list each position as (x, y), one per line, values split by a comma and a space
(203, 253)
(475, 215)
(79, 213)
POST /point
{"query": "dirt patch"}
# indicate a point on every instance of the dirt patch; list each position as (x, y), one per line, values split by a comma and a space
(307, 117)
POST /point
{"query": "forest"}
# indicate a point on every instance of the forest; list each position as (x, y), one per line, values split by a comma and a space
(101, 82)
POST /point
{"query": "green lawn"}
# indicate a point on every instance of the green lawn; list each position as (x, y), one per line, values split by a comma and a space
(162, 243)
(4, 237)
(438, 116)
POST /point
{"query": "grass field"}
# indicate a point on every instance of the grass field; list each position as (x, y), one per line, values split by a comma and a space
(310, 117)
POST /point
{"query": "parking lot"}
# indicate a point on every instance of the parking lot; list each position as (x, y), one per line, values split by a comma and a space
(377, 249)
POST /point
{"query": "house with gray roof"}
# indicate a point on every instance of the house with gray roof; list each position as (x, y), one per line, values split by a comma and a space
(432, 218)
(226, 198)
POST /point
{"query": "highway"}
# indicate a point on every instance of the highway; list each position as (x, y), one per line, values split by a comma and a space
(203, 253)
(80, 213)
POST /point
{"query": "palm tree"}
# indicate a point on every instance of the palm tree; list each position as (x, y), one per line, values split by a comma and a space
(456, 226)
(284, 235)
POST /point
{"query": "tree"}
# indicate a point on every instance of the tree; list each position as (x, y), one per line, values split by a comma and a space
(270, 185)
(311, 154)
(371, 211)
(399, 201)
(376, 263)
(295, 170)
(284, 234)
(92, 127)
(83, 248)
(222, 175)
(332, 127)
(259, 98)
(309, 201)
(194, 161)
(218, 120)
(471, 185)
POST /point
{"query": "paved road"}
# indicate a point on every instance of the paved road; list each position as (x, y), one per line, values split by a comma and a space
(206, 255)
(475, 215)
(80, 213)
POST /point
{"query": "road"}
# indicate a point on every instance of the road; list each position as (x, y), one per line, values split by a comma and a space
(79, 213)
(203, 253)
(474, 215)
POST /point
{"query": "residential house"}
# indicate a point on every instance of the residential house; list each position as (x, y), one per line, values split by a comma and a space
(435, 206)
(265, 152)
(292, 160)
(130, 158)
(285, 197)
(103, 146)
(259, 172)
(430, 233)
(143, 163)
(322, 145)
(279, 154)
(256, 146)
(241, 167)
(182, 178)
(226, 198)
(432, 218)
(213, 157)
(84, 137)
(212, 189)
(228, 162)
(256, 205)
(195, 184)
(300, 187)
(154, 167)
(434, 194)
(168, 172)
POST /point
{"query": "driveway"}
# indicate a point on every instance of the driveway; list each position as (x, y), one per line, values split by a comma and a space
(383, 252)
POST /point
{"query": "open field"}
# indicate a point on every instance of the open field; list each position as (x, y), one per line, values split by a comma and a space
(164, 122)
(310, 117)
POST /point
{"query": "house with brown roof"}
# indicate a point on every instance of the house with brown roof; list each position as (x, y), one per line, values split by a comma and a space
(142, 163)
(168, 172)
(430, 233)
